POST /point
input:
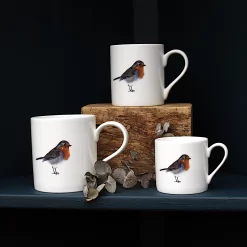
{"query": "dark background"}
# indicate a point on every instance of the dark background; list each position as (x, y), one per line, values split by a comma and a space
(54, 59)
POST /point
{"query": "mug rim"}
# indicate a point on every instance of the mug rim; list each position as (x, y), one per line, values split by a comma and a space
(181, 139)
(118, 45)
(63, 117)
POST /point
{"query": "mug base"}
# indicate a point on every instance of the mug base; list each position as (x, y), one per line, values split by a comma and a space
(137, 105)
(57, 191)
(183, 192)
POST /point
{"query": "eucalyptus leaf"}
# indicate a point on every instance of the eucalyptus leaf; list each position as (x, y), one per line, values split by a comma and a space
(168, 135)
(166, 126)
(145, 180)
(119, 175)
(100, 187)
(139, 176)
(91, 182)
(85, 190)
(159, 133)
(134, 155)
(110, 184)
(102, 179)
(130, 180)
(92, 194)
(145, 183)
(90, 175)
(158, 128)
(102, 168)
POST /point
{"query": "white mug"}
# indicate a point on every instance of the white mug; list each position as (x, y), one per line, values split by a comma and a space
(137, 74)
(64, 148)
(181, 164)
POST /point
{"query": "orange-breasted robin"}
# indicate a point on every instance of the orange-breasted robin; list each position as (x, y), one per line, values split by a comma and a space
(180, 165)
(57, 154)
(133, 73)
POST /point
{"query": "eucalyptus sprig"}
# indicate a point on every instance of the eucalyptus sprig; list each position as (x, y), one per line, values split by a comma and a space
(125, 175)
(162, 130)
(102, 179)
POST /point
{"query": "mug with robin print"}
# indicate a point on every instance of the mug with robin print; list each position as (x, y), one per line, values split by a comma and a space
(137, 74)
(64, 148)
(181, 164)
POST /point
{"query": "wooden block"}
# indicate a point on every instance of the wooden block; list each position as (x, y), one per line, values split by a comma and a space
(140, 123)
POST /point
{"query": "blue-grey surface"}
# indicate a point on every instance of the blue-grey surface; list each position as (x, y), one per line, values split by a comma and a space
(226, 192)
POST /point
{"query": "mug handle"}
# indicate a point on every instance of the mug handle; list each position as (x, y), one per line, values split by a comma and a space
(221, 163)
(125, 137)
(186, 61)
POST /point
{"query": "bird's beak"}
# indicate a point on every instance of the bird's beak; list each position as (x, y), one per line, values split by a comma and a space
(144, 65)
(70, 145)
(189, 158)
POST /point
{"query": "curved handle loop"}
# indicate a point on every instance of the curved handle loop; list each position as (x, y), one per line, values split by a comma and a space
(221, 163)
(125, 137)
(186, 63)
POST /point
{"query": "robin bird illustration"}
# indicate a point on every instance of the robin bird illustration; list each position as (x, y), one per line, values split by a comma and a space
(180, 165)
(57, 154)
(132, 74)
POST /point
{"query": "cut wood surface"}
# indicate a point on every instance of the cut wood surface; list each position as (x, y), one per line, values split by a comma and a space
(140, 123)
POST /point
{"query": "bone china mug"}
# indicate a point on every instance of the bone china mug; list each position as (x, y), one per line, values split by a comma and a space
(137, 74)
(64, 148)
(181, 164)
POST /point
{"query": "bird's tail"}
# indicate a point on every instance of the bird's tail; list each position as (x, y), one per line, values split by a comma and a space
(116, 78)
(163, 169)
(40, 158)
